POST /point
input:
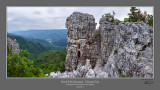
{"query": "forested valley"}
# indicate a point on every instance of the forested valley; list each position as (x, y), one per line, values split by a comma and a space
(37, 56)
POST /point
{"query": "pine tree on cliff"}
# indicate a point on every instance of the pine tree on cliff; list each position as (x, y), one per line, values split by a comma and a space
(133, 15)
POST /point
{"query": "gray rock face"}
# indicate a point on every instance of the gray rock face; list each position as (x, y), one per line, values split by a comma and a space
(11, 44)
(108, 34)
(90, 74)
(84, 71)
(81, 28)
(132, 55)
(102, 75)
(124, 50)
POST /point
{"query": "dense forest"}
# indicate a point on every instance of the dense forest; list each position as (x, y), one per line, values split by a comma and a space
(22, 66)
(41, 54)
(37, 58)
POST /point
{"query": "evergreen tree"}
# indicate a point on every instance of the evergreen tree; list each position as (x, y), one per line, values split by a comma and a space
(150, 20)
(136, 15)
(133, 15)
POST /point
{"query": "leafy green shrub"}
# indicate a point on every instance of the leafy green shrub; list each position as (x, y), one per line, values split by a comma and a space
(120, 33)
(119, 71)
(140, 60)
(115, 51)
(126, 20)
(21, 66)
(143, 75)
(24, 53)
(108, 16)
(71, 51)
(112, 19)
(150, 20)
(122, 75)
(104, 63)
(127, 75)
(117, 21)
(9, 51)
(116, 66)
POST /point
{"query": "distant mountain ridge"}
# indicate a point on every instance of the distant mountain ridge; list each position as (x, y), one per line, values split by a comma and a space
(35, 46)
(32, 47)
(49, 36)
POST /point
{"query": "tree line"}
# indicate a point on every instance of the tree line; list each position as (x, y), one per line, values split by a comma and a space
(135, 15)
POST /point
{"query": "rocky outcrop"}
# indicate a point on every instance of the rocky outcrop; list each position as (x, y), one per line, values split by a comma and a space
(107, 32)
(84, 71)
(81, 71)
(132, 55)
(112, 51)
(13, 46)
(81, 28)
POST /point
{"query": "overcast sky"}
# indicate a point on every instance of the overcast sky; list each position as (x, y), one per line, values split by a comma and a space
(26, 18)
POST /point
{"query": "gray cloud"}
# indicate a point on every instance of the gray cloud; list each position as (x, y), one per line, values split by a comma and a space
(25, 18)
